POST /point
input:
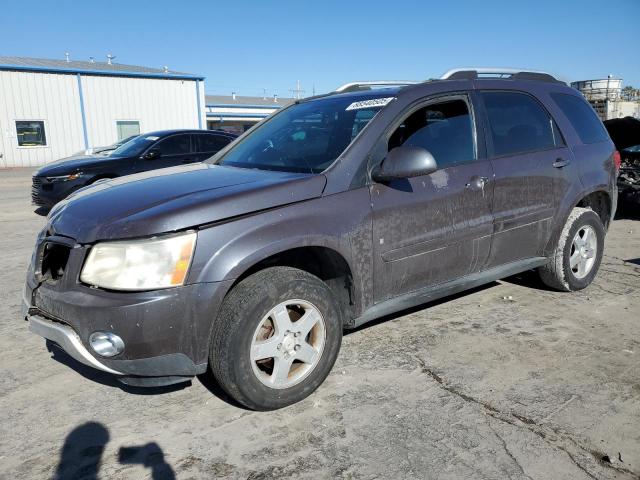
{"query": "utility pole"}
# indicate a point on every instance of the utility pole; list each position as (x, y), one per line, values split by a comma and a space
(606, 103)
(297, 91)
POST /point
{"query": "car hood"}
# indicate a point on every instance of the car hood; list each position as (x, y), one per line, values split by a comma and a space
(175, 198)
(73, 164)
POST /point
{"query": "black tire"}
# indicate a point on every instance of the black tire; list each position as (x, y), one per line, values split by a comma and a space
(240, 314)
(558, 273)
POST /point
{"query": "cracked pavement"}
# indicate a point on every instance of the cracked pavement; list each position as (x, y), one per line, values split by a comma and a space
(509, 381)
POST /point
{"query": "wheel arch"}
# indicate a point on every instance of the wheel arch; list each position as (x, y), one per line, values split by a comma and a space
(601, 203)
(325, 262)
(598, 199)
(100, 176)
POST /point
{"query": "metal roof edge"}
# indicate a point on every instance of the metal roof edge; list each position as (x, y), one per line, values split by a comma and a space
(238, 115)
(104, 73)
(242, 105)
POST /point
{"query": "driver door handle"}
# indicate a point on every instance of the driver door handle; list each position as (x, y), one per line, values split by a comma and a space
(477, 183)
(561, 162)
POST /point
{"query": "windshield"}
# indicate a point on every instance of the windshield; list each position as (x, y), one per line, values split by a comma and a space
(135, 146)
(306, 137)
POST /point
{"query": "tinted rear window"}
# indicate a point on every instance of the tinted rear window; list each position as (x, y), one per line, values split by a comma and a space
(518, 123)
(209, 143)
(584, 120)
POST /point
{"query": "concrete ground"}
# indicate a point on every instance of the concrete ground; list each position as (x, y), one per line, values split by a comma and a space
(507, 381)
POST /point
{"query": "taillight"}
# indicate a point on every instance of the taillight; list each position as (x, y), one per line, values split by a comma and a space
(617, 161)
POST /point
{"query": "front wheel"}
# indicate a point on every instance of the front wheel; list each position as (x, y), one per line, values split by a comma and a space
(276, 338)
(575, 261)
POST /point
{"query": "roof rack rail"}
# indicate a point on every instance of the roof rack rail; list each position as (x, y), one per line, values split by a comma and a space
(473, 73)
(355, 86)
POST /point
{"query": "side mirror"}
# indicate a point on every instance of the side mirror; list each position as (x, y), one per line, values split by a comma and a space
(405, 162)
(151, 154)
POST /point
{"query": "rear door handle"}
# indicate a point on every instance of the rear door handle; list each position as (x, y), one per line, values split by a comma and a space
(561, 162)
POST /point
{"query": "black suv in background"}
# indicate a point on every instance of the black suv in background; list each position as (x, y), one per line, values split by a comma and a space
(334, 211)
(149, 151)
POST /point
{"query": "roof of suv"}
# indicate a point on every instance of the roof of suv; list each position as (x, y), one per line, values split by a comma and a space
(164, 133)
(357, 89)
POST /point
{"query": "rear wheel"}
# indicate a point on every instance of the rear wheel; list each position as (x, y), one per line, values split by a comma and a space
(576, 259)
(276, 338)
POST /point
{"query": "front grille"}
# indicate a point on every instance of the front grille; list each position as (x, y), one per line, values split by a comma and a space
(54, 260)
(36, 184)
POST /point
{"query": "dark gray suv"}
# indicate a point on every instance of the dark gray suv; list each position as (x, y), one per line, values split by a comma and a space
(335, 211)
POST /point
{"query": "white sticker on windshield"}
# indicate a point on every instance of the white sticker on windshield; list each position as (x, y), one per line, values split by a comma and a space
(152, 138)
(375, 102)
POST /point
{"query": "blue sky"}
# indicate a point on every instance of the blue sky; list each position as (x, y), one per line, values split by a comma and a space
(247, 46)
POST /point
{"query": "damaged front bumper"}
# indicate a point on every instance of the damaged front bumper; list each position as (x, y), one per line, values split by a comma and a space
(165, 332)
(67, 339)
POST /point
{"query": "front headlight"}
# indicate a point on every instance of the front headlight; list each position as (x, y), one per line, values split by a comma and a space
(64, 178)
(148, 264)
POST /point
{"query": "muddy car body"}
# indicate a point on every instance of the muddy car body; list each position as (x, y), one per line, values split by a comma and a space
(285, 252)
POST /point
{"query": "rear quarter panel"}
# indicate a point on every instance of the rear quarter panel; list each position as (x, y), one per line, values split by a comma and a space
(592, 163)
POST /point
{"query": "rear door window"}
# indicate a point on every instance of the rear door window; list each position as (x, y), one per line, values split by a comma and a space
(444, 129)
(583, 118)
(210, 143)
(518, 123)
(174, 145)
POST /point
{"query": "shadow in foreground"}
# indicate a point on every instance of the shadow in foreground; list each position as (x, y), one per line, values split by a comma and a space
(81, 455)
(82, 452)
(150, 456)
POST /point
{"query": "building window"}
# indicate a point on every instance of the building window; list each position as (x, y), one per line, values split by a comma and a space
(30, 133)
(127, 128)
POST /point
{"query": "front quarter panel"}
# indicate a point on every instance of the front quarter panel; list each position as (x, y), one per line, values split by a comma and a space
(227, 250)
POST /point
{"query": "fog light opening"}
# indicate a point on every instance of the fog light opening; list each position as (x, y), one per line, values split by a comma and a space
(106, 344)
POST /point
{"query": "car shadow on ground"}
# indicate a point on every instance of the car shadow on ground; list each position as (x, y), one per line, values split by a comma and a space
(42, 211)
(528, 279)
(81, 455)
(420, 307)
(628, 211)
(105, 378)
(206, 379)
(209, 382)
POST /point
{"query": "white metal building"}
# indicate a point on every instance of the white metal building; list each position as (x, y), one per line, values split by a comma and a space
(50, 109)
